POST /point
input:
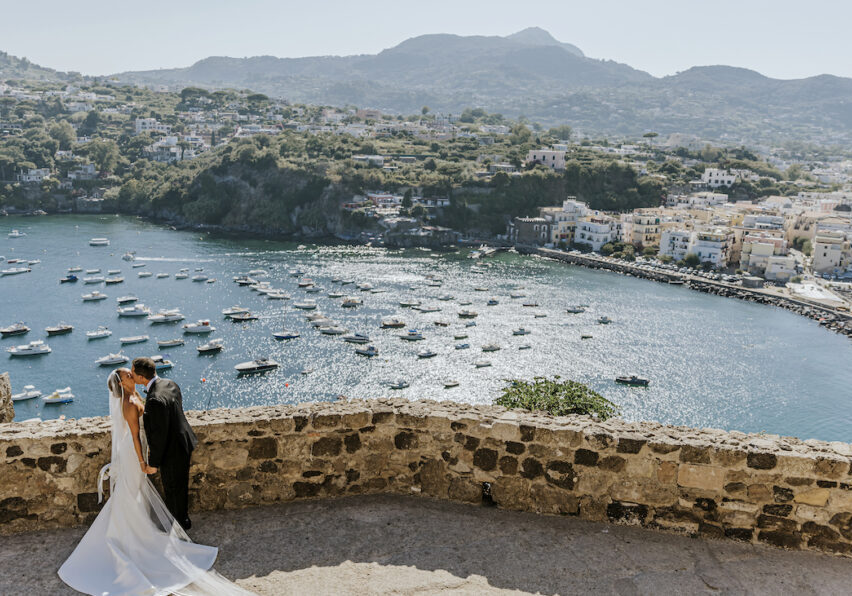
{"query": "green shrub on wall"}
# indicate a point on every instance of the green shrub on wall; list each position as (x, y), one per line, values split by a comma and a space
(556, 397)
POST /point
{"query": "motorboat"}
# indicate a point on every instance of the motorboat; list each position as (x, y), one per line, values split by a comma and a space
(92, 271)
(322, 322)
(75, 269)
(285, 334)
(364, 286)
(445, 297)
(460, 336)
(316, 315)
(200, 278)
(412, 335)
(134, 339)
(135, 310)
(113, 271)
(515, 295)
(94, 297)
(305, 305)
(356, 338)
(462, 346)
(162, 363)
(16, 234)
(368, 351)
(60, 329)
(128, 256)
(211, 347)
(112, 360)
(427, 309)
(539, 315)
(400, 384)
(336, 280)
(166, 316)
(633, 381)
(95, 279)
(162, 275)
(262, 287)
(142, 274)
(441, 323)
(351, 302)
(332, 330)
(492, 302)
(335, 295)
(525, 347)
(69, 279)
(450, 383)
(199, 327)
(243, 317)
(181, 275)
(34, 348)
(297, 272)
(305, 282)
(434, 283)
(198, 269)
(470, 324)
(604, 320)
(29, 392)
(212, 280)
(409, 303)
(392, 323)
(258, 272)
(521, 331)
(256, 366)
(530, 304)
(14, 329)
(314, 290)
(138, 265)
(426, 354)
(347, 282)
(126, 299)
(170, 343)
(14, 271)
(468, 314)
(585, 336)
(242, 280)
(482, 363)
(234, 310)
(490, 348)
(575, 310)
(60, 396)
(278, 295)
(480, 289)
(99, 242)
(114, 280)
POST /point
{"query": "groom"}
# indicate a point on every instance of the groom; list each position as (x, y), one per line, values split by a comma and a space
(170, 438)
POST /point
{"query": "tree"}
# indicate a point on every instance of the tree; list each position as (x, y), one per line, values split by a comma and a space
(424, 110)
(562, 132)
(406, 199)
(557, 397)
(430, 165)
(520, 134)
(64, 133)
(691, 260)
(90, 124)
(104, 153)
(607, 249)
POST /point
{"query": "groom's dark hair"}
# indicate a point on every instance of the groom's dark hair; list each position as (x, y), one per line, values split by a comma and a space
(144, 367)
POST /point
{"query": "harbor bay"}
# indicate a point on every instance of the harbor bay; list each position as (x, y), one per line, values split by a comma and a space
(711, 361)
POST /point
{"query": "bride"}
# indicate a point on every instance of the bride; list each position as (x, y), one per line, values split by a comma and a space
(135, 546)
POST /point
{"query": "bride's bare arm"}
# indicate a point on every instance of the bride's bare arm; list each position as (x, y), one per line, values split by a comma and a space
(131, 414)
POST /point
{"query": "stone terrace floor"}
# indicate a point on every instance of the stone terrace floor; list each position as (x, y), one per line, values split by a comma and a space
(407, 545)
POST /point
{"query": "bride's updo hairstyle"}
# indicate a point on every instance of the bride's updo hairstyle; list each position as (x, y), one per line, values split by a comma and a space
(114, 384)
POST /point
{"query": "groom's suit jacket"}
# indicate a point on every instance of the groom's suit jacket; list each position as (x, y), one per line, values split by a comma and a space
(170, 438)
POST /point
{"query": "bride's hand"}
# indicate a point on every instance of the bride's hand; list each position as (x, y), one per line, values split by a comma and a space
(147, 469)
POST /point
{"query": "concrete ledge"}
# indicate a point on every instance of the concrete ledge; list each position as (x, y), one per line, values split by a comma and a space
(780, 491)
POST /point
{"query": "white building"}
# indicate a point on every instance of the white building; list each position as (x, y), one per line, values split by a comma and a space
(151, 125)
(675, 243)
(555, 160)
(564, 220)
(714, 178)
(763, 222)
(597, 230)
(713, 246)
(831, 252)
(83, 172)
(34, 175)
(780, 268)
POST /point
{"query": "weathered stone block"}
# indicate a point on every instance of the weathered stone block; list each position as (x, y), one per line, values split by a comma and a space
(515, 448)
(352, 442)
(14, 451)
(643, 490)
(761, 461)
(780, 538)
(817, 497)
(666, 472)
(781, 494)
(485, 459)
(7, 408)
(612, 463)
(703, 477)
(263, 448)
(561, 474)
(779, 510)
(508, 465)
(551, 500)
(462, 489)
(627, 513)
(694, 455)
(531, 468)
(585, 457)
(86, 502)
(326, 446)
(627, 445)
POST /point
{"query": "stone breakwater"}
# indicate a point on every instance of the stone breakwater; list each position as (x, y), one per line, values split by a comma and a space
(830, 318)
(709, 483)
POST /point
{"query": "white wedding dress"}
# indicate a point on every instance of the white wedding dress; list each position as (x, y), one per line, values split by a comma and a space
(135, 546)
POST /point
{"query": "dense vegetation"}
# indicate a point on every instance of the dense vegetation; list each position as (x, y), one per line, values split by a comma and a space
(556, 397)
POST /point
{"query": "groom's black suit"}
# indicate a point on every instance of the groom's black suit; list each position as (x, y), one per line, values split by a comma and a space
(170, 445)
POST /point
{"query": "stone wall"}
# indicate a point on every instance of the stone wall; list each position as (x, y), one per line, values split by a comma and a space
(709, 483)
(7, 409)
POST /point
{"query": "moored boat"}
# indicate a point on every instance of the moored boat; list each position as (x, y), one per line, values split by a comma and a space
(136, 310)
(256, 366)
(199, 327)
(112, 360)
(29, 392)
(94, 297)
(632, 380)
(99, 333)
(60, 329)
(285, 335)
(14, 329)
(213, 346)
(368, 351)
(134, 339)
(60, 396)
(170, 343)
(34, 348)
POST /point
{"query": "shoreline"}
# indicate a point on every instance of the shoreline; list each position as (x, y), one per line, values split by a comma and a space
(830, 318)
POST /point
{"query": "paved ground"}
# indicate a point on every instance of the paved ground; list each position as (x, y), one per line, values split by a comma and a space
(407, 545)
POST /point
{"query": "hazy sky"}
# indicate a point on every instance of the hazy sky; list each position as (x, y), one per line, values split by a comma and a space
(780, 38)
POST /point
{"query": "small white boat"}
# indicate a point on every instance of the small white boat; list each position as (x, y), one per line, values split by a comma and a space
(426, 354)
(128, 256)
(305, 282)
(244, 317)
(112, 360)
(460, 336)
(170, 343)
(335, 295)
(99, 333)
(445, 297)
(305, 305)
(462, 346)
(198, 269)
(427, 309)
(234, 310)
(392, 323)
(351, 302)
(16, 234)
(482, 363)
(297, 272)
(145, 274)
(492, 302)
(313, 316)
(114, 280)
(322, 322)
(401, 384)
(368, 351)
(199, 327)
(127, 299)
(278, 295)
(94, 297)
(480, 289)
(34, 262)
(517, 295)
(114, 272)
(332, 330)
(181, 275)
(166, 316)
(604, 320)
(258, 272)
(214, 345)
(212, 280)
(60, 396)
(575, 310)
(162, 363)
(134, 339)
(198, 278)
(96, 279)
(135, 310)
(314, 290)
(364, 286)
(468, 314)
(138, 265)
(14, 271)
(74, 269)
(409, 303)
(29, 392)
(521, 331)
(525, 347)
(162, 275)
(34, 348)
(256, 366)
(490, 348)
(285, 334)
(92, 271)
(61, 329)
(412, 335)
(539, 315)
(356, 338)
(450, 383)
(99, 242)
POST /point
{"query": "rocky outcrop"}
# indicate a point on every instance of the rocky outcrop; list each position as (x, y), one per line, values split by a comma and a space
(753, 488)
(7, 409)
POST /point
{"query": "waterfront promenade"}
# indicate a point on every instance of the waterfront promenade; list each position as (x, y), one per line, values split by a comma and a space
(387, 544)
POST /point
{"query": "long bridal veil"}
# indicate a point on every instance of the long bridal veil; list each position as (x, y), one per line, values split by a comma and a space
(135, 546)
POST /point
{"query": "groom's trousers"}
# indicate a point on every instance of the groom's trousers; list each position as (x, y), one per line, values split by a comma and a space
(174, 473)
